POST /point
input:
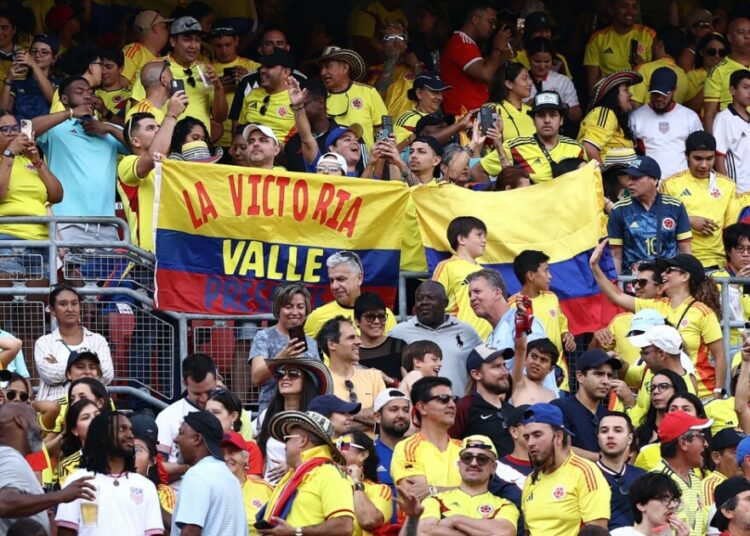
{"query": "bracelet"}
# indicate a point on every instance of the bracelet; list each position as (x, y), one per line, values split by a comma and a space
(39, 164)
(297, 108)
(170, 115)
(467, 150)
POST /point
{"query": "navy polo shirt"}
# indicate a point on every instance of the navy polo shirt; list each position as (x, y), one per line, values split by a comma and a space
(581, 422)
(621, 513)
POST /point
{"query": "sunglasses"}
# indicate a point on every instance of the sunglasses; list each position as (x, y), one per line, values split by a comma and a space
(659, 387)
(443, 399)
(283, 371)
(672, 269)
(352, 395)
(467, 458)
(715, 52)
(11, 394)
(643, 282)
(190, 78)
(264, 107)
(346, 444)
(372, 317)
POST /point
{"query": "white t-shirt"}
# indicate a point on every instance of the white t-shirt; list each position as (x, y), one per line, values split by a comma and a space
(626, 531)
(130, 507)
(560, 83)
(663, 135)
(275, 450)
(732, 135)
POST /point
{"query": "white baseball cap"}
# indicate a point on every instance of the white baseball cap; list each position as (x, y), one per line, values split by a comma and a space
(340, 161)
(665, 338)
(267, 131)
(386, 396)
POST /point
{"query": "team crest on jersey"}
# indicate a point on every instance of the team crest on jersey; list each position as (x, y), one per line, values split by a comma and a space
(257, 503)
(485, 509)
(553, 313)
(117, 98)
(668, 224)
(357, 103)
(281, 112)
(684, 323)
(559, 492)
(29, 166)
(136, 495)
(663, 127)
(715, 193)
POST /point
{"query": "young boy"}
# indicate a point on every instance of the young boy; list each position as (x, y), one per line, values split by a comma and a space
(467, 236)
(732, 132)
(540, 358)
(532, 270)
(419, 359)
(113, 95)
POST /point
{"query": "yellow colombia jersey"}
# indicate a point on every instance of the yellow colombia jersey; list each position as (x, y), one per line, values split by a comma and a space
(692, 503)
(136, 56)
(199, 98)
(255, 493)
(713, 479)
(138, 192)
(274, 111)
(649, 456)
(557, 503)
(67, 466)
(710, 198)
(526, 153)
(381, 497)
(721, 410)
(716, 88)
(516, 123)
(324, 313)
(620, 327)
(368, 17)
(250, 66)
(396, 99)
(145, 106)
(167, 497)
(115, 100)
(406, 123)
(601, 129)
(699, 327)
(547, 309)
(682, 93)
(359, 104)
(610, 51)
(457, 502)
(26, 196)
(559, 60)
(452, 274)
(415, 456)
(324, 493)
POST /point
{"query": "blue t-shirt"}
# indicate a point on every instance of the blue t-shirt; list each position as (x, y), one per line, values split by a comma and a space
(385, 455)
(635, 229)
(86, 166)
(581, 422)
(621, 512)
(28, 99)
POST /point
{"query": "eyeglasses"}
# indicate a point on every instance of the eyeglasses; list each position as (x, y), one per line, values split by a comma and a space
(703, 24)
(138, 449)
(10, 129)
(692, 435)
(98, 62)
(327, 169)
(659, 387)
(666, 500)
(715, 52)
(742, 249)
(11, 394)
(286, 438)
(443, 399)
(372, 317)
(264, 108)
(352, 395)
(643, 282)
(672, 269)
(331, 114)
(468, 457)
(40, 52)
(293, 373)
(190, 77)
(397, 37)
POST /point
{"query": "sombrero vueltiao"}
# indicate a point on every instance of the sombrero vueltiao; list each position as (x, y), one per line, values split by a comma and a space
(609, 82)
(314, 368)
(315, 423)
(357, 69)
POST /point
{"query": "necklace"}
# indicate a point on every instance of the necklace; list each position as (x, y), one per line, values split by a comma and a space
(116, 478)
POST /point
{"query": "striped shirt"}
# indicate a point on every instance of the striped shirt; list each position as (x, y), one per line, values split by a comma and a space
(692, 504)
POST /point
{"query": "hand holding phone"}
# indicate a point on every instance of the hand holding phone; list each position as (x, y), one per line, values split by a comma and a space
(263, 525)
(176, 85)
(27, 129)
(298, 332)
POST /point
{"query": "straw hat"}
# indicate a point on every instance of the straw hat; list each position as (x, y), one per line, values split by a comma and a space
(357, 67)
(606, 84)
(315, 423)
(314, 368)
(197, 151)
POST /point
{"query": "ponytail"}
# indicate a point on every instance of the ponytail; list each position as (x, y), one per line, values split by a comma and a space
(707, 293)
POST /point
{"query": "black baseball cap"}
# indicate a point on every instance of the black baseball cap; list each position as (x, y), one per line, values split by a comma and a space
(728, 437)
(279, 56)
(536, 21)
(145, 428)
(327, 404)
(686, 263)
(433, 120)
(516, 415)
(77, 355)
(596, 358)
(432, 142)
(207, 425)
(728, 489)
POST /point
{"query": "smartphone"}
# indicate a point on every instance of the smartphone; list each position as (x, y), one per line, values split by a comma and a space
(387, 130)
(520, 24)
(229, 71)
(263, 524)
(633, 52)
(177, 85)
(486, 118)
(298, 332)
(26, 129)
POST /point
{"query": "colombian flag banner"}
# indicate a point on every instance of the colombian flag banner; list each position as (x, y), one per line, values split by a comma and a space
(562, 218)
(227, 236)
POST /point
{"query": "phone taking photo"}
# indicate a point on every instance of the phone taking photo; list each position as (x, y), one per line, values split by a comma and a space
(486, 119)
(298, 332)
(177, 85)
(27, 129)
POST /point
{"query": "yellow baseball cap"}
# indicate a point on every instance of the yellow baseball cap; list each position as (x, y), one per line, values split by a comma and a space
(478, 442)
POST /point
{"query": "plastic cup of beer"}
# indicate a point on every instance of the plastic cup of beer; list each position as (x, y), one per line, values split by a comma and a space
(89, 513)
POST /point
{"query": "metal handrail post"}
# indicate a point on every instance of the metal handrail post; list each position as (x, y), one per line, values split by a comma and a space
(725, 331)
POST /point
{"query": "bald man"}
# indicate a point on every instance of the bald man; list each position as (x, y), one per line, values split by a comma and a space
(21, 495)
(455, 338)
(156, 79)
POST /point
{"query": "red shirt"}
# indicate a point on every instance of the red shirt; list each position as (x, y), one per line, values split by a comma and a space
(467, 93)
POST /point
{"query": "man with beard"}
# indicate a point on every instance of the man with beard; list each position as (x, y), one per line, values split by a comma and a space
(210, 501)
(647, 224)
(615, 436)
(662, 126)
(21, 495)
(392, 418)
(125, 501)
(584, 411)
(262, 146)
(565, 491)
(484, 412)
(683, 442)
(455, 338)
(471, 509)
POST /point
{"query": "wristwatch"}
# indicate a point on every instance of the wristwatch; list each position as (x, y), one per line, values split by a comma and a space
(9, 154)
(359, 486)
(720, 391)
(298, 531)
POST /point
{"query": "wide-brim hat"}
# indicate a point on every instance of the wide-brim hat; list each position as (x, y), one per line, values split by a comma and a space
(315, 423)
(609, 82)
(197, 151)
(357, 68)
(314, 368)
(619, 157)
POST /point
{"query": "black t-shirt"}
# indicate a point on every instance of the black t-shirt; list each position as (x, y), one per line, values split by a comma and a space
(474, 415)
(385, 357)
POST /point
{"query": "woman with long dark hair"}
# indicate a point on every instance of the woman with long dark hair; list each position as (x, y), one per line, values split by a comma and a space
(711, 49)
(691, 305)
(77, 422)
(510, 87)
(227, 407)
(606, 124)
(191, 142)
(541, 53)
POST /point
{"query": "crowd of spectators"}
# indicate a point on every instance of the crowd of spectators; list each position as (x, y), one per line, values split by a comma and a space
(467, 418)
